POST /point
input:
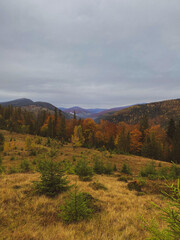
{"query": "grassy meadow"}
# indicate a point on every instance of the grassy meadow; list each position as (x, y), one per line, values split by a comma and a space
(25, 215)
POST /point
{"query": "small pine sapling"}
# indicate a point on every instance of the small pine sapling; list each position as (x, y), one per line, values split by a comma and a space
(52, 181)
(77, 207)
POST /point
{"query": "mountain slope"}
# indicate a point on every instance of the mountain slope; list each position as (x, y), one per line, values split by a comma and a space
(29, 105)
(158, 112)
(107, 112)
(18, 102)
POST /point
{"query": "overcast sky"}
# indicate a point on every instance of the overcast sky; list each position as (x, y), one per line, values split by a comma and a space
(90, 53)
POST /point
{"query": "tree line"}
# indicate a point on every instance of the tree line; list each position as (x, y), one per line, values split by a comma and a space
(143, 139)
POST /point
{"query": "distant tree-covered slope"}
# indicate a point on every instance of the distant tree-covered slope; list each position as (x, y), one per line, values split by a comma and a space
(157, 112)
(29, 105)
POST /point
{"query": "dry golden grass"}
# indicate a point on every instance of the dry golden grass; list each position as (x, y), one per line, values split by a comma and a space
(26, 216)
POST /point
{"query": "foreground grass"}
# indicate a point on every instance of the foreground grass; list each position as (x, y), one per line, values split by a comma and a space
(27, 216)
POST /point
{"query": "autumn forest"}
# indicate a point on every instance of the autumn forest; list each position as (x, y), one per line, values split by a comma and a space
(143, 138)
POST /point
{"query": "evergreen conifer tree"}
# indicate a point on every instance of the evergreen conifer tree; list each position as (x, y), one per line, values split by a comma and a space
(52, 181)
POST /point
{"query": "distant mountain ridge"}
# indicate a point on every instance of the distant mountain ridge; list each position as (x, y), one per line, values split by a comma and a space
(30, 105)
(92, 112)
(158, 112)
(82, 112)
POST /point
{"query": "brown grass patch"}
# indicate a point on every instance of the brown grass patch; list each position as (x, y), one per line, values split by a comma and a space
(26, 216)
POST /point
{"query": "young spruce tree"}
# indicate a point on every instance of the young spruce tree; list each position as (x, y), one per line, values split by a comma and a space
(77, 207)
(52, 181)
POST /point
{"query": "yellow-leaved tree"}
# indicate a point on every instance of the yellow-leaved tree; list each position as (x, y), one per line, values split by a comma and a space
(77, 137)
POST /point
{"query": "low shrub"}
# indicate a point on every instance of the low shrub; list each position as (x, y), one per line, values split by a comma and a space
(135, 185)
(25, 166)
(68, 167)
(126, 169)
(83, 170)
(98, 166)
(97, 186)
(33, 152)
(108, 168)
(149, 170)
(163, 173)
(114, 168)
(38, 140)
(123, 179)
(174, 172)
(12, 170)
(2, 169)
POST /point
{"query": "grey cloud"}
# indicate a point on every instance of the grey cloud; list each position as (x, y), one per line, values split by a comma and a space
(90, 53)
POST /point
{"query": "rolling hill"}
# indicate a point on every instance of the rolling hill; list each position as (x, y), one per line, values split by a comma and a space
(158, 113)
(32, 106)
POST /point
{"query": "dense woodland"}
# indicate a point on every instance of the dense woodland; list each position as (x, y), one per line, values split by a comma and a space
(158, 113)
(144, 139)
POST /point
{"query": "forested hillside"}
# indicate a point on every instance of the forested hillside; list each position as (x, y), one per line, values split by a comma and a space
(144, 138)
(157, 112)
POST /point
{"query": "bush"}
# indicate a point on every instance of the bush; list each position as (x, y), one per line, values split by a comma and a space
(48, 143)
(98, 166)
(149, 170)
(135, 185)
(97, 186)
(1, 167)
(114, 168)
(52, 181)
(170, 214)
(13, 170)
(163, 173)
(68, 167)
(124, 178)
(174, 172)
(74, 158)
(126, 169)
(25, 166)
(38, 140)
(77, 207)
(32, 152)
(108, 169)
(83, 170)
(28, 142)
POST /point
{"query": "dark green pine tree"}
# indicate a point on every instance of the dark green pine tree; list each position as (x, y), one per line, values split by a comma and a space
(151, 148)
(171, 129)
(50, 128)
(62, 131)
(74, 117)
(52, 181)
(77, 207)
(2, 122)
(176, 146)
(144, 125)
(55, 122)
(1, 141)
